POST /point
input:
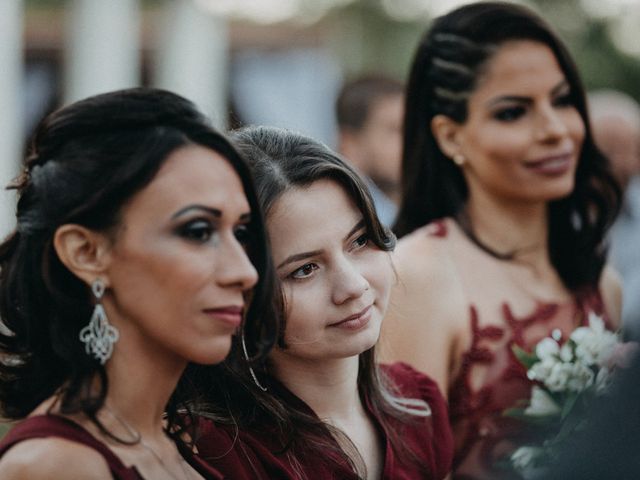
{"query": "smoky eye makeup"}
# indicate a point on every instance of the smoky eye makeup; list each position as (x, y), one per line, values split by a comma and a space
(244, 234)
(198, 230)
(564, 99)
(509, 113)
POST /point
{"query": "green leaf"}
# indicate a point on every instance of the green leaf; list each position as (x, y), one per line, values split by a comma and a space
(539, 420)
(569, 403)
(525, 358)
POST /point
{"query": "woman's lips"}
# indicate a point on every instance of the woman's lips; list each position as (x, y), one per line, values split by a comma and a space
(356, 321)
(231, 315)
(553, 165)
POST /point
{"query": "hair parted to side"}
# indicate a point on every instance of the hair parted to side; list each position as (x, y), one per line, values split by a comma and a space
(85, 162)
(281, 160)
(357, 96)
(447, 67)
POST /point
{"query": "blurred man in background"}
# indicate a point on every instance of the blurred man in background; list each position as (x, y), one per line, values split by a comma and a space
(369, 112)
(615, 120)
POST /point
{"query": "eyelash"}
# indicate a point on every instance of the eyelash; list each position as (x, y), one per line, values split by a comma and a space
(564, 100)
(308, 268)
(511, 114)
(198, 230)
(361, 241)
(201, 231)
(296, 273)
(243, 235)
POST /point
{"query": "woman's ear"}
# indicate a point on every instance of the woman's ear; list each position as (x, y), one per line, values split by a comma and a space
(84, 252)
(447, 134)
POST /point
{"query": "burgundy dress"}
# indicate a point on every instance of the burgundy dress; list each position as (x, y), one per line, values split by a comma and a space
(250, 455)
(44, 426)
(483, 437)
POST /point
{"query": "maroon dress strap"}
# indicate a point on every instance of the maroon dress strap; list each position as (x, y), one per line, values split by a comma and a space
(43, 426)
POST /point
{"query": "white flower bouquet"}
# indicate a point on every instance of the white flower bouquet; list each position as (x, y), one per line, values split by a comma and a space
(566, 375)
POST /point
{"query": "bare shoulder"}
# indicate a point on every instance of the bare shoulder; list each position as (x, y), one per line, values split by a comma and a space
(611, 289)
(49, 458)
(427, 311)
(425, 268)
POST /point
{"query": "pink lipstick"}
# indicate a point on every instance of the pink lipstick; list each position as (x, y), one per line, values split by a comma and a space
(231, 315)
(356, 321)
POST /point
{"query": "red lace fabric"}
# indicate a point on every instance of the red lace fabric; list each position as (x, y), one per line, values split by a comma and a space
(491, 379)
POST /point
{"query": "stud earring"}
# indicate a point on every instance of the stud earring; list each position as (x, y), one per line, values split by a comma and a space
(246, 357)
(459, 159)
(99, 335)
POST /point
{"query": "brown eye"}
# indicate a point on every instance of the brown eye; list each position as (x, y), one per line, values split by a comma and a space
(565, 100)
(304, 271)
(243, 234)
(197, 231)
(509, 114)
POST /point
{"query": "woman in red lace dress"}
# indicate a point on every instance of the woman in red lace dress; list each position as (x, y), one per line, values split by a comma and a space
(320, 408)
(506, 204)
(128, 265)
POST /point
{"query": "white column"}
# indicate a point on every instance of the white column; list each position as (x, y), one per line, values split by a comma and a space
(192, 58)
(102, 48)
(11, 108)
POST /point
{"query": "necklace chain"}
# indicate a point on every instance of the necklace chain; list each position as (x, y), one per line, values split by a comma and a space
(138, 439)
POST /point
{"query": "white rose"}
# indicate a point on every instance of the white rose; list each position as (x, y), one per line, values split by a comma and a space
(525, 457)
(541, 370)
(581, 378)
(596, 322)
(580, 333)
(559, 377)
(547, 348)
(566, 352)
(541, 403)
(586, 353)
(596, 348)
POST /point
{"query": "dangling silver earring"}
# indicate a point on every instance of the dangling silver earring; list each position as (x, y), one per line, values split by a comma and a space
(99, 336)
(246, 357)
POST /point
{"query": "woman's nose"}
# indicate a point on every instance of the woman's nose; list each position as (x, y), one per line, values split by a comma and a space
(349, 283)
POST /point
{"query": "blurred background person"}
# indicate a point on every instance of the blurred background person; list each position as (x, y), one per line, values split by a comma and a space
(615, 121)
(369, 112)
(506, 204)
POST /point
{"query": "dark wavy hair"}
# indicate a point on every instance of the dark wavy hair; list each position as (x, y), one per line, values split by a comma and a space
(85, 162)
(281, 160)
(446, 69)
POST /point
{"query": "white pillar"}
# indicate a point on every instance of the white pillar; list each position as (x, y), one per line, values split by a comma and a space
(102, 50)
(11, 108)
(192, 58)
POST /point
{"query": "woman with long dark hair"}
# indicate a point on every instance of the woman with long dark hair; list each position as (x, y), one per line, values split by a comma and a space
(138, 238)
(319, 407)
(506, 202)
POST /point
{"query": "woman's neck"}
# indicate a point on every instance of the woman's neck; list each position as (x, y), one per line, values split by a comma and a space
(510, 228)
(330, 388)
(141, 383)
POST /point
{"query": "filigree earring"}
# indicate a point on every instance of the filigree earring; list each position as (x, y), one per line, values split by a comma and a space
(246, 357)
(99, 336)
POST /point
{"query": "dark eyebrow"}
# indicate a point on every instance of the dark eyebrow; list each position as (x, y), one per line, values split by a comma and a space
(298, 256)
(211, 211)
(355, 228)
(303, 255)
(517, 99)
(214, 212)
